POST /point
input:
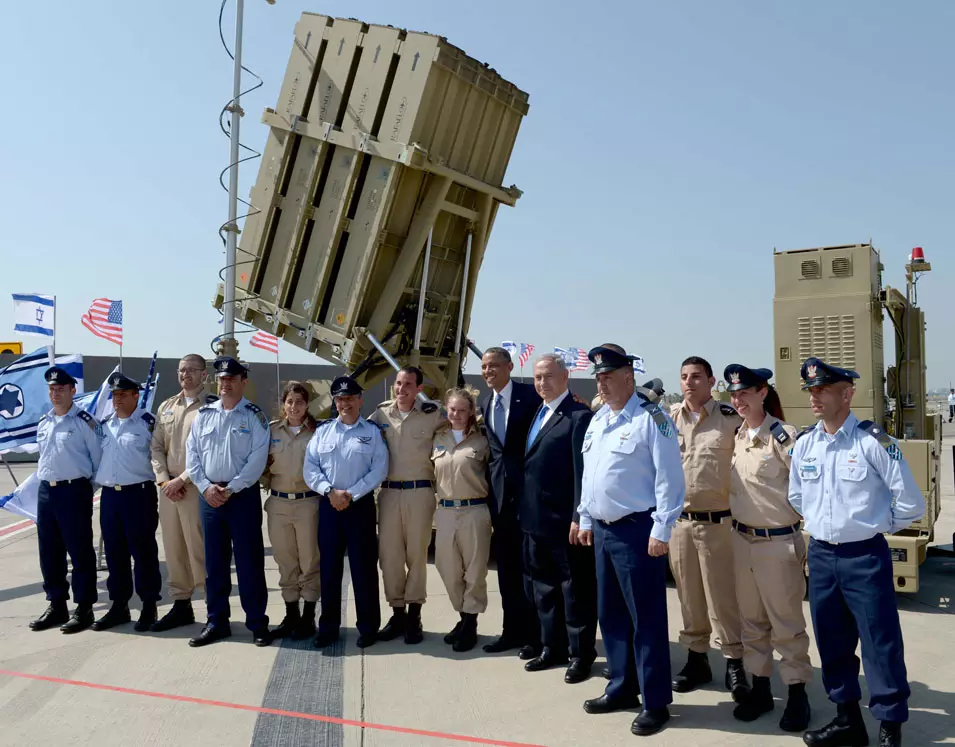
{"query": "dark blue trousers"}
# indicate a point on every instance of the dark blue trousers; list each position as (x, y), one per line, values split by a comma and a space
(129, 519)
(65, 525)
(235, 527)
(632, 608)
(851, 596)
(354, 531)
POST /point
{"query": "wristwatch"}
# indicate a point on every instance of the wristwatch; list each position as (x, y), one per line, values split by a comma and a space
(327, 491)
(228, 492)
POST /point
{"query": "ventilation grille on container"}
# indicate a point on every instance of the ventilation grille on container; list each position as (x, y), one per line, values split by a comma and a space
(832, 338)
(842, 267)
(811, 269)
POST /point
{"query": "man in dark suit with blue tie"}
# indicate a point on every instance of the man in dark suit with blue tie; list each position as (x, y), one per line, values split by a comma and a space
(508, 411)
(561, 572)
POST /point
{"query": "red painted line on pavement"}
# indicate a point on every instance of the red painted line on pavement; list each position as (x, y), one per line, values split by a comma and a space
(17, 526)
(271, 711)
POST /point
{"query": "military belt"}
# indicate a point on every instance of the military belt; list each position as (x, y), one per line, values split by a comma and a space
(134, 486)
(764, 532)
(713, 517)
(406, 484)
(462, 502)
(294, 496)
(55, 483)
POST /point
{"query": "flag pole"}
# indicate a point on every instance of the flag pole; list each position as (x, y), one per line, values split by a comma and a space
(16, 483)
(278, 378)
(53, 362)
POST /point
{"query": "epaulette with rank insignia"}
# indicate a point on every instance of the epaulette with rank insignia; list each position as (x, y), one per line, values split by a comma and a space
(888, 443)
(150, 420)
(211, 399)
(779, 433)
(260, 416)
(728, 410)
(428, 407)
(90, 421)
(659, 417)
(808, 429)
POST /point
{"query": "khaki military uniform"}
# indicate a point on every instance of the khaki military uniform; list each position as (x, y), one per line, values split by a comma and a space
(180, 521)
(291, 512)
(701, 545)
(463, 541)
(405, 513)
(770, 584)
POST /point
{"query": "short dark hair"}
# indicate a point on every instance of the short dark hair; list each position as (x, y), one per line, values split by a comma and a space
(195, 358)
(695, 360)
(418, 374)
(501, 352)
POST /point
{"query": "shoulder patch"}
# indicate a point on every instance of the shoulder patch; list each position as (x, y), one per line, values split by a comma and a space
(779, 433)
(429, 407)
(728, 410)
(661, 420)
(88, 419)
(888, 443)
(149, 419)
(259, 415)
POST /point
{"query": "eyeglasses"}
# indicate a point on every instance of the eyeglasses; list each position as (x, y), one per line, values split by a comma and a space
(191, 370)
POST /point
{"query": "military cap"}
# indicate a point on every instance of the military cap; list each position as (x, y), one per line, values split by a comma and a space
(57, 375)
(607, 359)
(816, 372)
(226, 366)
(119, 382)
(344, 386)
(739, 377)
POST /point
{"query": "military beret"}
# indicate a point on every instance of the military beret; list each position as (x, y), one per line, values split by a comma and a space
(607, 359)
(739, 377)
(344, 386)
(119, 382)
(816, 372)
(57, 375)
(226, 366)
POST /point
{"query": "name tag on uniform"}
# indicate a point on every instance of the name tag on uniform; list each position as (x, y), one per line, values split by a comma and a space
(241, 429)
(808, 471)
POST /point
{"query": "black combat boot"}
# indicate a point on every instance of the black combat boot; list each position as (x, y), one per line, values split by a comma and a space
(306, 626)
(413, 630)
(696, 672)
(467, 636)
(735, 679)
(796, 715)
(395, 627)
(53, 616)
(81, 619)
(118, 614)
(289, 623)
(755, 702)
(451, 637)
(890, 734)
(847, 729)
(146, 618)
(180, 614)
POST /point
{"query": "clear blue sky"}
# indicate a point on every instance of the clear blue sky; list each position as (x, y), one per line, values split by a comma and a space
(668, 149)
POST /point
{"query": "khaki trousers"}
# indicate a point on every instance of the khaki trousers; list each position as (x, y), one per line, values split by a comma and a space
(404, 533)
(293, 532)
(461, 550)
(771, 586)
(701, 557)
(182, 544)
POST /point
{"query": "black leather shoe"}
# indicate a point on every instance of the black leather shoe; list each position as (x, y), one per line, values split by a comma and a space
(500, 644)
(577, 671)
(605, 704)
(118, 614)
(366, 639)
(796, 716)
(146, 618)
(289, 623)
(735, 679)
(754, 703)
(81, 619)
(605, 673)
(546, 660)
(696, 672)
(262, 637)
(306, 625)
(890, 734)
(650, 722)
(211, 634)
(53, 616)
(847, 729)
(326, 638)
(180, 614)
(395, 627)
(467, 635)
(414, 633)
(452, 636)
(529, 652)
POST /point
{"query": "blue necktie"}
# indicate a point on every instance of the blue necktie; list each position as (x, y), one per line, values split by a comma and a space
(498, 421)
(536, 427)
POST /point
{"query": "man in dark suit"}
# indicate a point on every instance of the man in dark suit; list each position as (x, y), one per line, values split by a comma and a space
(508, 410)
(562, 573)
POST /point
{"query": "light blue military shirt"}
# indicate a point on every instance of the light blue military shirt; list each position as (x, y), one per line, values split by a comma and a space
(126, 442)
(353, 458)
(632, 464)
(69, 445)
(227, 446)
(848, 487)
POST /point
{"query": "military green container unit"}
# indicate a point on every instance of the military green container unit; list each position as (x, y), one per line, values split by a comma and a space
(381, 138)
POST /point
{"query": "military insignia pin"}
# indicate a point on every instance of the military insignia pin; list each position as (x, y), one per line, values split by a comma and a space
(811, 371)
(734, 377)
(599, 359)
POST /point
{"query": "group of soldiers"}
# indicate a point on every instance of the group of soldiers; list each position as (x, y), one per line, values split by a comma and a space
(586, 507)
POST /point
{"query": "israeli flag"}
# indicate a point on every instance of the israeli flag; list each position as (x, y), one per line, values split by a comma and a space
(24, 396)
(513, 349)
(33, 314)
(638, 365)
(23, 500)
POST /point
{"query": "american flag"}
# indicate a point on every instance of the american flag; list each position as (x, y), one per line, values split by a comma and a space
(575, 358)
(265, 341)
(105, 319)
(526, 350)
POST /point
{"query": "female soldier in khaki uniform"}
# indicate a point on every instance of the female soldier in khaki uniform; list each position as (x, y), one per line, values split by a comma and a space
(292, 513)
(463, 519)
(768, 548)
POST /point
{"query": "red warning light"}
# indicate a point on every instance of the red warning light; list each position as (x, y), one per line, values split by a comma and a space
(917, 254)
